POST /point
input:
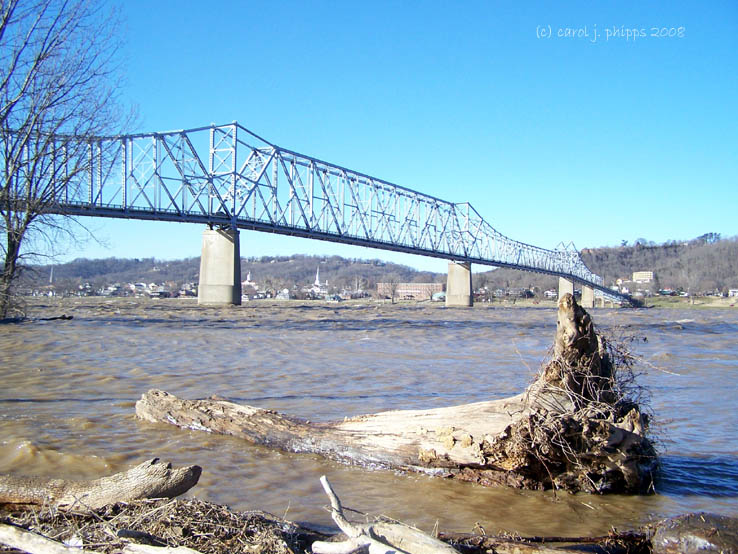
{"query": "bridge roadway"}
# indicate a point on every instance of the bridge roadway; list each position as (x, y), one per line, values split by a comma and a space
(228, 178)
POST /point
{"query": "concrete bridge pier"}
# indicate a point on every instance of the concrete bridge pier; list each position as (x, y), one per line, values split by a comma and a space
(220, 268)
(459, 285)
(588, 297)
(565, 286)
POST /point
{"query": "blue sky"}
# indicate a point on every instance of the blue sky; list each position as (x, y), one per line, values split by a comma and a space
(594, 139)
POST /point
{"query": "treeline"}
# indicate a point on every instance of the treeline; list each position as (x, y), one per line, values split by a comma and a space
(705, 264)
(273, 272)
(708, 263)
(349, 273)
(103, 272)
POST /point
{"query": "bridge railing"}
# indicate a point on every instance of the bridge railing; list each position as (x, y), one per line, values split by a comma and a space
(227, 175)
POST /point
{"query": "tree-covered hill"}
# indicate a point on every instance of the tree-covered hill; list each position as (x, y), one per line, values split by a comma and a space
(705, 264)
(273, 272)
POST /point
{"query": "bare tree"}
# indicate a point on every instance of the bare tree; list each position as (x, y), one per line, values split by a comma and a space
(388, 286)
(57, 94)
(691, 277)
(482, 282)
(393, 281)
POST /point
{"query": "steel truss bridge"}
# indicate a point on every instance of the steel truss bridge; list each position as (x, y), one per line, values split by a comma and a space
(225, 175)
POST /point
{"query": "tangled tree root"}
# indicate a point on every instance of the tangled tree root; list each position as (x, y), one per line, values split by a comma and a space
(586, 430)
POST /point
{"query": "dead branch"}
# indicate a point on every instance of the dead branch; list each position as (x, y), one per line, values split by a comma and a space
(34, 543)
(134, 548)
(151, 479)
(376, 538)
(26, 541)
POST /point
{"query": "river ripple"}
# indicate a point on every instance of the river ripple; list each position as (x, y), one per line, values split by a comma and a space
(69, 388)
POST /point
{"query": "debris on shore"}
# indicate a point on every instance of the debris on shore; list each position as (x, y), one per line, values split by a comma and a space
(202, 526)
(207, 528)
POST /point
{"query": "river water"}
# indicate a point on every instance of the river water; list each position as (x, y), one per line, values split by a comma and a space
(68, 391)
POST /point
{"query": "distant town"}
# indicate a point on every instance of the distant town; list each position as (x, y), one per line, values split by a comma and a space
(703, 267)
(640, 284)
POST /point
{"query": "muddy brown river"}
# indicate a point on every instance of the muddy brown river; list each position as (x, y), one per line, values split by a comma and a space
(68, 390)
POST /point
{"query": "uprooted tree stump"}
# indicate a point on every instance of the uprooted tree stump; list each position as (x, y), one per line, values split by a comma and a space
(578, 426)
(151, 479)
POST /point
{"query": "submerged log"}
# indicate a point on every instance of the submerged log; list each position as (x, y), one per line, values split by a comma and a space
(573, 428)
(151, 479)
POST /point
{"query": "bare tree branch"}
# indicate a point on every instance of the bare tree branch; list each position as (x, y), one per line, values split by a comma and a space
(58, 93)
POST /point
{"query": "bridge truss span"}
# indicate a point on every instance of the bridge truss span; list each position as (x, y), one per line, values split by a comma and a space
(225, 175)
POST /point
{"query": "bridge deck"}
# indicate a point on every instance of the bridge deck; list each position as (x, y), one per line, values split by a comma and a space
(227, 176)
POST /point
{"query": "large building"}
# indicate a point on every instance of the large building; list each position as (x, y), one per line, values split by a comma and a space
(408, 291)
(642, 276)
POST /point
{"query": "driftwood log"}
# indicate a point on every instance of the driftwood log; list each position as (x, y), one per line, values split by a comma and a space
(27, 541)
(574, 428)
(151, 479)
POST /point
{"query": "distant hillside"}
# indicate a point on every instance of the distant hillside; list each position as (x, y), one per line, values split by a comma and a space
(705, 264)
(286, 271)
(106, 271)
(268, 271)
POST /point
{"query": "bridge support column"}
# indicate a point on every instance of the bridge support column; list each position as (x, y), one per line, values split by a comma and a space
(565, 286)
(459, 285)
(220, 268)
(588, 297)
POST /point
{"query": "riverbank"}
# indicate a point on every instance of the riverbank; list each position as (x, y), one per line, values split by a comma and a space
(39, 305)
(97, 306)
(191, 526)
(699, 302)
(209, 528)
